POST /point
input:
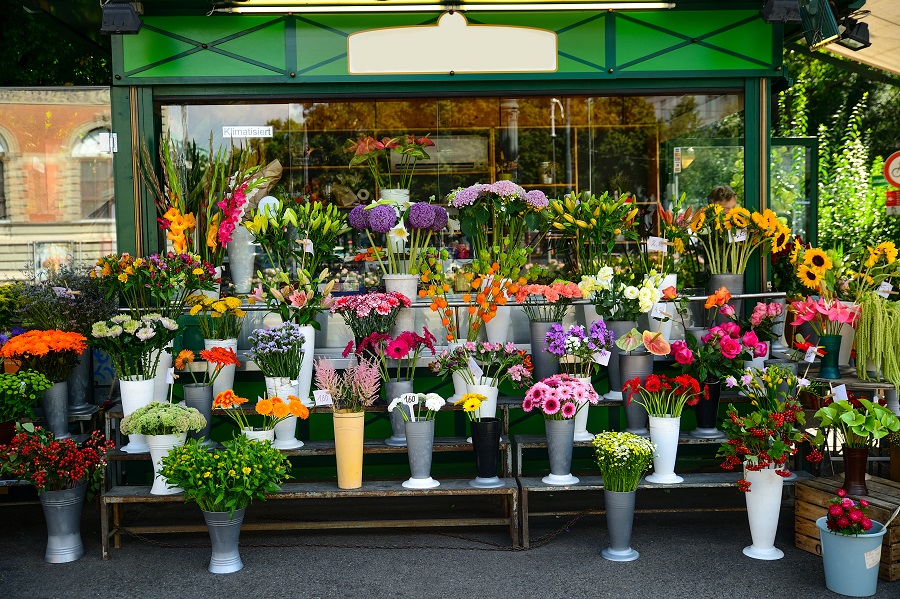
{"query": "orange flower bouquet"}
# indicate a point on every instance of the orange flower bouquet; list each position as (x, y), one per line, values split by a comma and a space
(219, 357)
(53, 353)
(273, 409)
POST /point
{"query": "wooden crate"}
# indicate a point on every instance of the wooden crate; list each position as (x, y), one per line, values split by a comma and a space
(812, 497)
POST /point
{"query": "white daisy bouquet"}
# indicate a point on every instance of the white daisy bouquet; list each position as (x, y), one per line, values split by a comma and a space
(623, 458)
(429, 403)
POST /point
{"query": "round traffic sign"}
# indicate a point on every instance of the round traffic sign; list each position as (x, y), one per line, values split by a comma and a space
(892, 169)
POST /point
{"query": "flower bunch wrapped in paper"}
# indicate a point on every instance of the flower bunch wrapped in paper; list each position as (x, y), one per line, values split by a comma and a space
(594, 224)
(559, 397)
(578, 349)
(619, 295)
(547, 303)
(730, 237)
(499, 218)
(370, 312)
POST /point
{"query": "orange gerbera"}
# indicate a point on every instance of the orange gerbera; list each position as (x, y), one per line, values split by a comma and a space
(228, 399)
(279, 408)
(719, 298)
(184, 358)
(220, 356)
(264, 406)
(297, 408)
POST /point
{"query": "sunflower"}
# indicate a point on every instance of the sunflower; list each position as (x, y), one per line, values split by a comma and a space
(809, 277)
(698, 221)
(889, 250)
(738, 217)
(780, 239)
(795, 253)
(817, 260)
(872, 260)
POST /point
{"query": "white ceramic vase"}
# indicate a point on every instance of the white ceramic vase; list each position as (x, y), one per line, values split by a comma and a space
(136, 394)
(407, 285)
(255, 435)
(763, 509)
(304, 377)
(581, 418)
(664, 433)
(225, 380)
(159, 448)
(160, 380)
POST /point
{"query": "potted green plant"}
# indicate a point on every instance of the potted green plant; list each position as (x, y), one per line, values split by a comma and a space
(63, 473)
(223, 483)
(19, 392)
(858, 422)
(623, 458)
(166, 426)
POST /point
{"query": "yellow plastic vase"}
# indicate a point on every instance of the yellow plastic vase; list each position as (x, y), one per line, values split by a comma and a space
(348, 448)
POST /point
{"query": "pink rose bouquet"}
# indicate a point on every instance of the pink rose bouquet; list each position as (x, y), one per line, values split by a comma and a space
(720, 353)
(559, 397)
(370, 312)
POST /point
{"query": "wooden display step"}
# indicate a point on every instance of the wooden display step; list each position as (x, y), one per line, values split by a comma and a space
(117, 497)
(812, 502)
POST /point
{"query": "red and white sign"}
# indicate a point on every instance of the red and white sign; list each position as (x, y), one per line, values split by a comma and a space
(892, 203)
(892, 169)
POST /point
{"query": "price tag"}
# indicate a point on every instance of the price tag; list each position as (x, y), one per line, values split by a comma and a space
(884, 290)
(810, 355)
(475, 369)
(170, 376)
(410, 399)
(307, 246)
(659, 312)
(322, 397)
(602, 357)
(657, 244)
(840, 393)
(873, 558)
(739, 235)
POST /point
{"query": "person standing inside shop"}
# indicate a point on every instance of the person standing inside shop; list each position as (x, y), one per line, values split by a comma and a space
(722, 195)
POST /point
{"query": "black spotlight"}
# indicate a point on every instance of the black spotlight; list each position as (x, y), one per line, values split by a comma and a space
(781, 11)
(855, 35)
(120, 17)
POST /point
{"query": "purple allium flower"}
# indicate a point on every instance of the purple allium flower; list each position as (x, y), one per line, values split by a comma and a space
(536, 198)
(382, 219)
(420, 216)
(440, 219)
(359, 218)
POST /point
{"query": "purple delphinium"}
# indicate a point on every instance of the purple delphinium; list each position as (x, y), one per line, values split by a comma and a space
(382, 219)
(359, 218)
(420, 216)
(440, 219)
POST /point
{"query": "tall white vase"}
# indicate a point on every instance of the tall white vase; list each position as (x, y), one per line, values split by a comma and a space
(241, 259)
(136, 394)
(497, 329)
(459, 381)
(664, 433)
(160, 384)
(581, 418)
(487, 387)
(304, 378)
(407, 285)
(763, 509)
(159, 448)
(225, 380)
(286, 430)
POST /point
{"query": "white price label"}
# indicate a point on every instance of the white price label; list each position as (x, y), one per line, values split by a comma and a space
(739, 235)
(410, 399)
(602, 357)
(657, 244)
(873, 558)
(322, 397)
(307, 246)
(475, 369)
(810, 355)
(840, 393)
(884, 290)
(170, 376)
(659, 312)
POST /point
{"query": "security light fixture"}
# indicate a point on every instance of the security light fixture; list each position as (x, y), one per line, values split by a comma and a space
(855, 34)
(120, 17)
(384, 7)
(781, 11)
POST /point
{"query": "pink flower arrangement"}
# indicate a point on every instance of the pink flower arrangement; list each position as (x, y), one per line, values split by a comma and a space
(497, 361)
(547, 303)
(370, 312)
(720, 353)
(405, 349)
(559, 397)
(353, 391)
(827, 317)
(848, 517)
(232, 206)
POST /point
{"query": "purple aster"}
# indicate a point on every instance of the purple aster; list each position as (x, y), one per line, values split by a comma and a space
(359, 218)
(440, 219)
(382, 218)
(420, 216)
(536, 198)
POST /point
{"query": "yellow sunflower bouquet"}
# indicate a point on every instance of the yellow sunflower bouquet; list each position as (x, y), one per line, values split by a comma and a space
(730, 237)
(832, 274)
(218, 318)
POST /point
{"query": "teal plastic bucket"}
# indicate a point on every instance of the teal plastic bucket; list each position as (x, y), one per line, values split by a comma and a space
(851, 561)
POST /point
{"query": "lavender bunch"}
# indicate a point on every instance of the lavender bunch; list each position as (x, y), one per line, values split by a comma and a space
(278, 351)
(576, 347)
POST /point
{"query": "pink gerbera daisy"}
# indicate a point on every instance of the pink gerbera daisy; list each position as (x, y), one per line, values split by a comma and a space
(397, 349)
(527, 404)
(569, 409)
(551, 406)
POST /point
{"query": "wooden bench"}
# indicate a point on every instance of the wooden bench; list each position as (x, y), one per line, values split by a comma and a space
(529, 485)
(116, 498)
